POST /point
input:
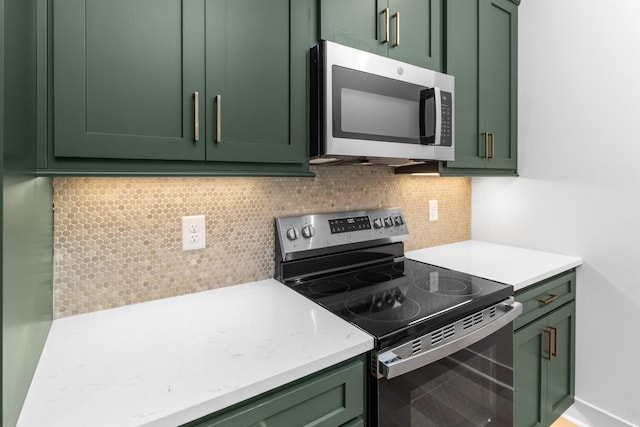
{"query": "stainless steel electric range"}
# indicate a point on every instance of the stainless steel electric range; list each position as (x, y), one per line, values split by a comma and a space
(443, 352)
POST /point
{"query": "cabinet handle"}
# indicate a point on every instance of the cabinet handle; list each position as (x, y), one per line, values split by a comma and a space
(548, 334)
(397, 16)
(218, 118)
(493, 145)
(486, 145)
(549, 299)
(554, 352)
(385, 12)
(196, 114)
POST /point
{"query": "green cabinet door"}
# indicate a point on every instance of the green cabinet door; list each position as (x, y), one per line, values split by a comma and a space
(406, 30)
(331, 398)
(256, 66)
(355, 23)
(561, 373)
(498, 82)
(529, 367)
(124, 77)
(544, 373)
(481, 53)
(416, 32)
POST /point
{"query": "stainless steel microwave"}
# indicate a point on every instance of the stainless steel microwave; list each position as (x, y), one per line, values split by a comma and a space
(367, 108)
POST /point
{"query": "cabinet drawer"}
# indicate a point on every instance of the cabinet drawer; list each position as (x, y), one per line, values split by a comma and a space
(543, 297)
(328, 399)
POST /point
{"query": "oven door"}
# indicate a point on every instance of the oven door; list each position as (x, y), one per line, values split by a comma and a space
(471, 387)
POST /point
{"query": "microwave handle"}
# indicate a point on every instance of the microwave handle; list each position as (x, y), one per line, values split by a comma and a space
(425, 95)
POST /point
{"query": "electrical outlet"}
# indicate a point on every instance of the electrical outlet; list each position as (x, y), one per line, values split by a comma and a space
(433, 210)
(193, 232)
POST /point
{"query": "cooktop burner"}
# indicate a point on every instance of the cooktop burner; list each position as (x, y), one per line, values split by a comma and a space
(401, 296)
(328, 287)
(390, 306)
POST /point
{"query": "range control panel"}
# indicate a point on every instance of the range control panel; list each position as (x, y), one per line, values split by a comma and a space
(324, 231)
(345, 225)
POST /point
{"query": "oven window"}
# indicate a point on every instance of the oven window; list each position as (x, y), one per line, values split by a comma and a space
(371, 107)
(473, 387)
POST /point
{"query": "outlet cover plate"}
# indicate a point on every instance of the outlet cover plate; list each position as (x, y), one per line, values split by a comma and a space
(433, 210)
(193, 232)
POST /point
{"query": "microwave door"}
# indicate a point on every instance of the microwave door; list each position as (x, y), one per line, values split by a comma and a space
(430, 116)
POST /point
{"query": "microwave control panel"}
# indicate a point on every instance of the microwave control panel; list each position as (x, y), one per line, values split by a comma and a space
(446, 128)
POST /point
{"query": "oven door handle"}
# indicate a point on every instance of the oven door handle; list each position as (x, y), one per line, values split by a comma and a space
(391, 364)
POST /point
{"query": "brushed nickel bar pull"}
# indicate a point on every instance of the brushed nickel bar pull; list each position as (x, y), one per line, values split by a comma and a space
(397, 16)
(218, 118)
(548, 334)
(493, 145)
(554, 353)
(386, 25)
(549, 299)
(196, 113)
(486, 145)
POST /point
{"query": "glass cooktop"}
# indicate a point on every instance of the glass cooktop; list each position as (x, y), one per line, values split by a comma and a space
(402, 299)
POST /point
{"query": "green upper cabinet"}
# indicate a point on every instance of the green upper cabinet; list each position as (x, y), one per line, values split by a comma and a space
(254, 111)
(406, 30)
(124, 77)
(212, 82)
(481, 53)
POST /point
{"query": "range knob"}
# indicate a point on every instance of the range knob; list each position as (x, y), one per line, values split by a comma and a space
(292, 233)
(308, 231)
(377, 223)
(388, 222)
(397, 220)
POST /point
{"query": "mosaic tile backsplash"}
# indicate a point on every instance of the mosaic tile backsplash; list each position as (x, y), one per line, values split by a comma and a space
(117, 241)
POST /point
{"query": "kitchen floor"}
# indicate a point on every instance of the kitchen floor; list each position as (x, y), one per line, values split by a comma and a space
(563, 422)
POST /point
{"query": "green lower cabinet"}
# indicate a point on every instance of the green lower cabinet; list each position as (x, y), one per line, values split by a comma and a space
(544, 372)
(331, 398)
(406, 30)
(358, 422)
(202, 81)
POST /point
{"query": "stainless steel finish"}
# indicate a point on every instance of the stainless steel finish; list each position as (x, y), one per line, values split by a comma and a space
(445, 341)
(554, 352)
(385, 12)
(321, 241)
(387, 152)
(493, 145)
(196, 118)
(547, 332)
(549, 299)
(486, 145)
(397, 17)
(218, 118)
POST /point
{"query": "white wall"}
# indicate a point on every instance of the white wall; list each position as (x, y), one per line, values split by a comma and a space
(579, 187)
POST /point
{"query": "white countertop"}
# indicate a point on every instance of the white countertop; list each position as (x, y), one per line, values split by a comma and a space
(506, 264)
(167, 362)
